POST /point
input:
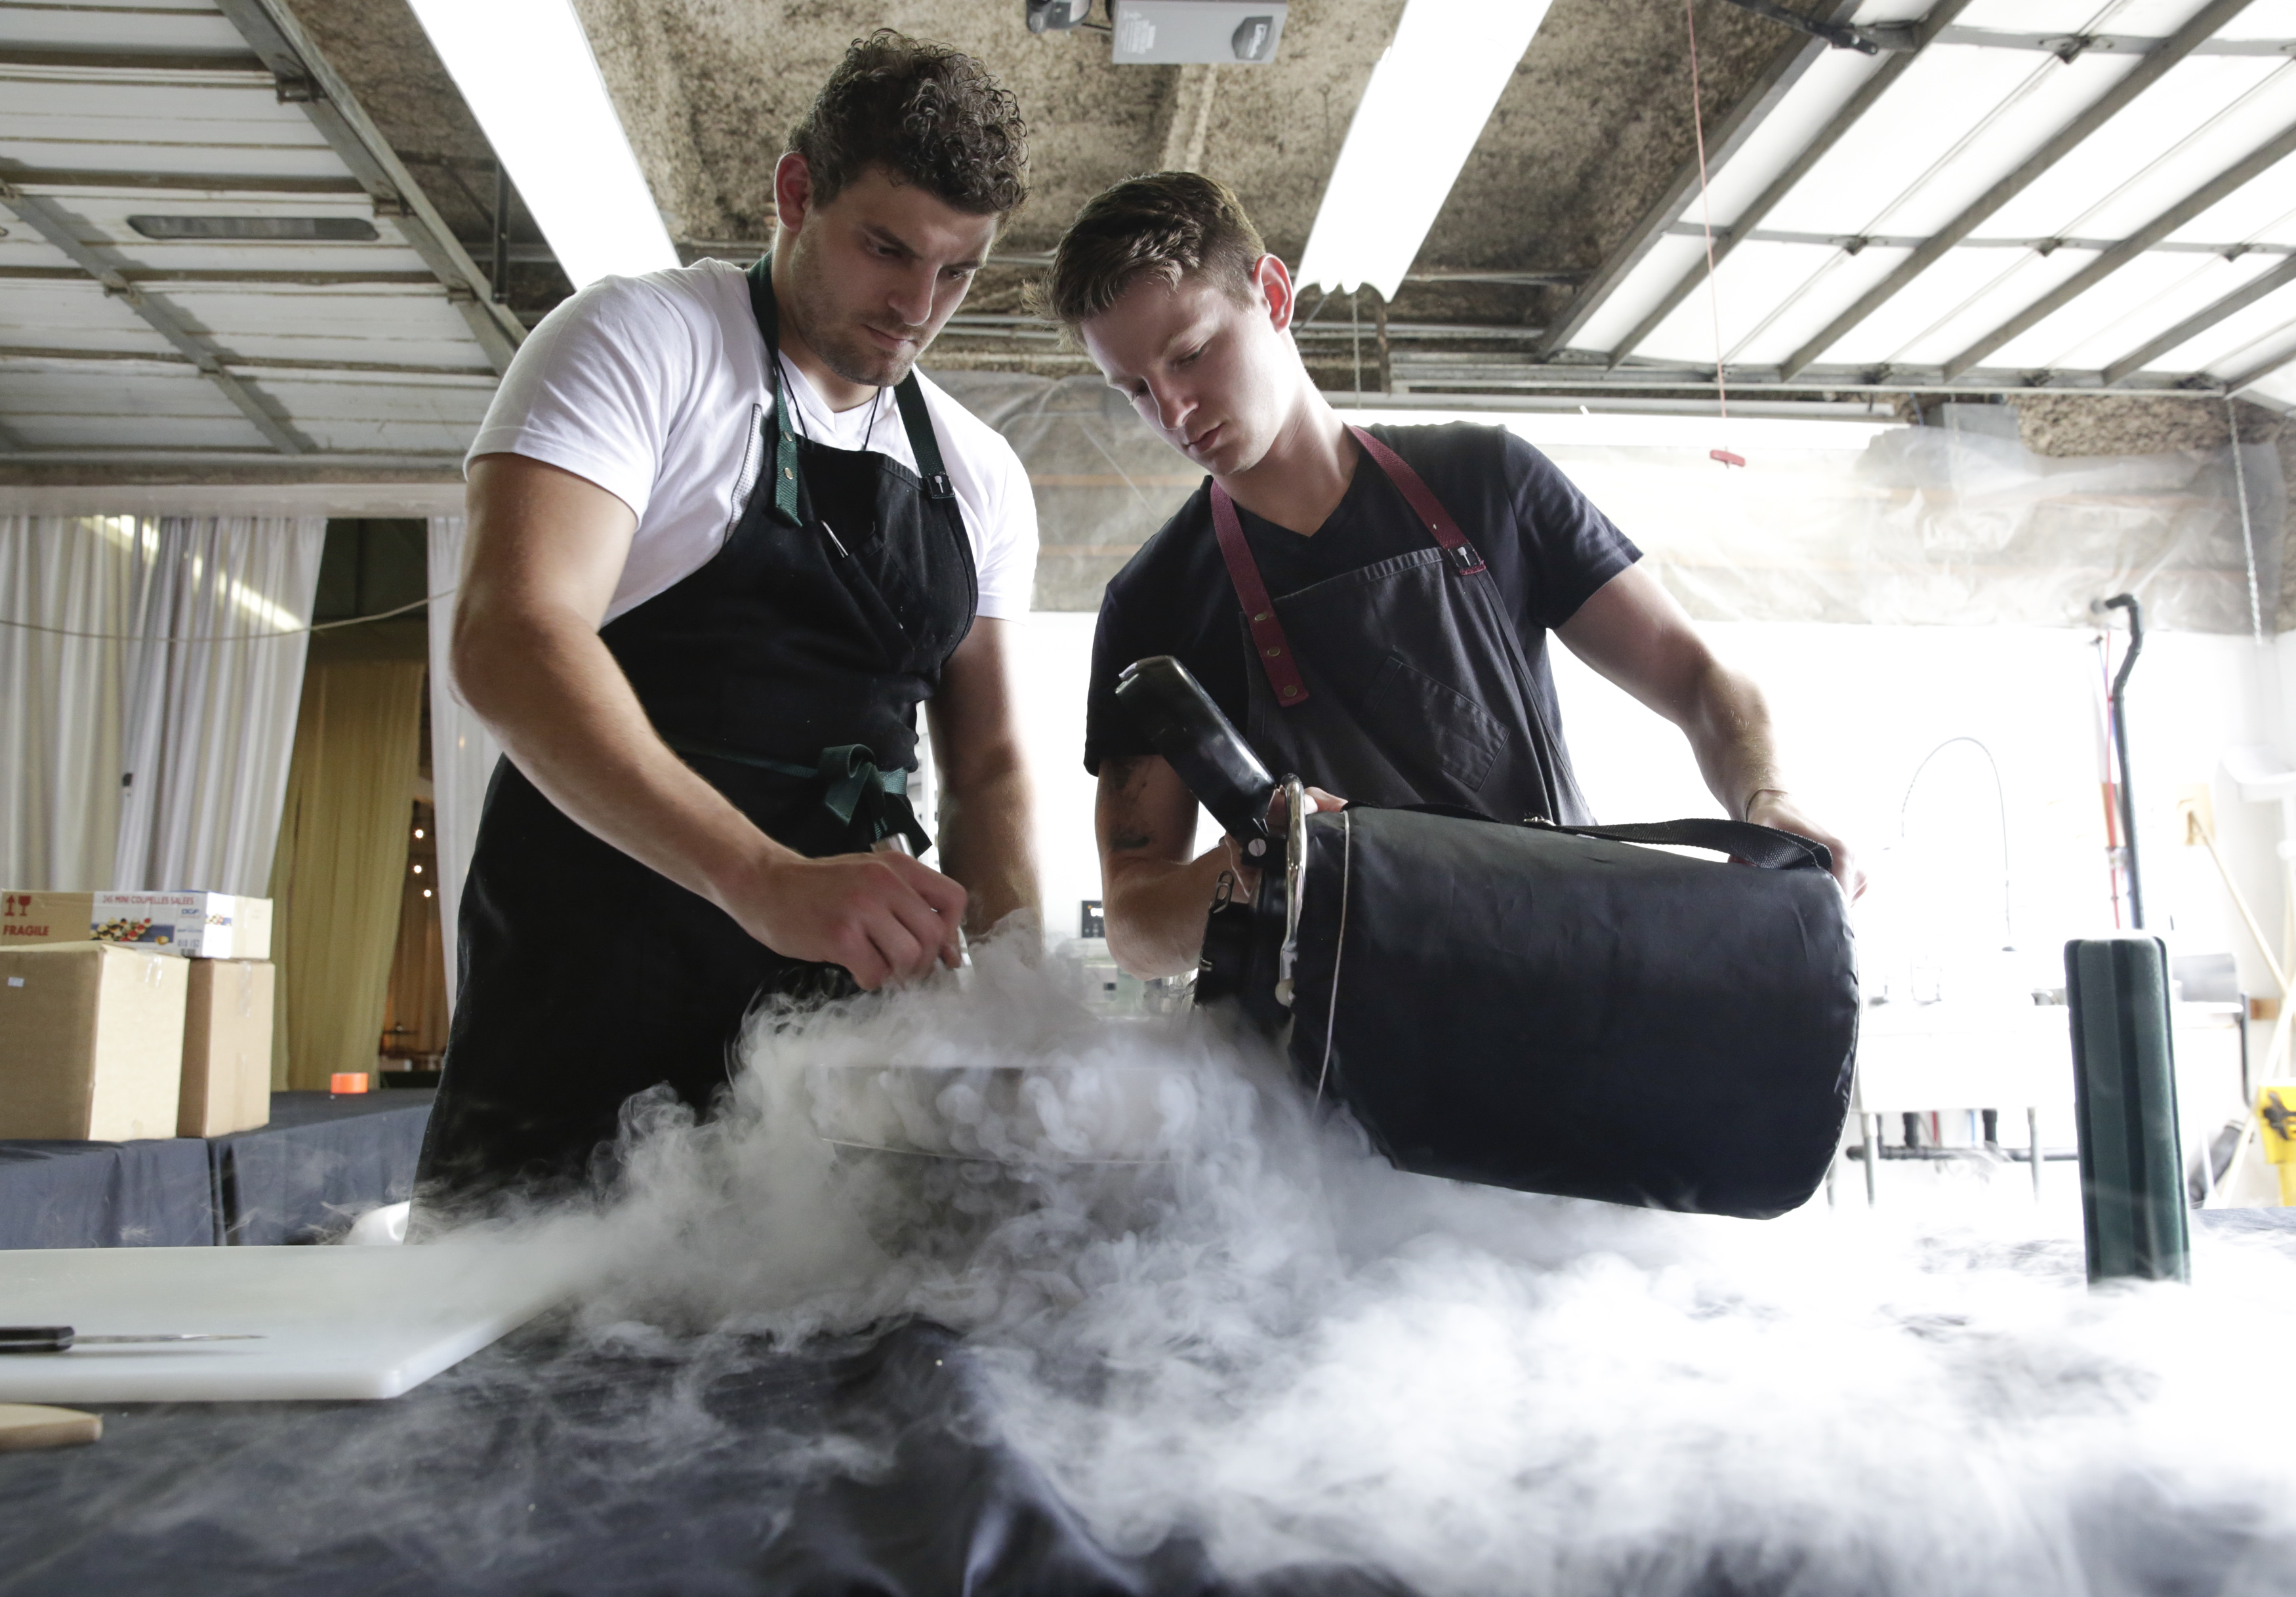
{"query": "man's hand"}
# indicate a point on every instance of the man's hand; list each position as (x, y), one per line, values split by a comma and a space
(1247, 875)
(1773, 807)
(883, 916)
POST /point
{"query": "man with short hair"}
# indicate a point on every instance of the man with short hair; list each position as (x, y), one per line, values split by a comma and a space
(1370, 606)
(724, 539)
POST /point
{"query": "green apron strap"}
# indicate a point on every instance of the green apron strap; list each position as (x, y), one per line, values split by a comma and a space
(853, 789)
(781, 442)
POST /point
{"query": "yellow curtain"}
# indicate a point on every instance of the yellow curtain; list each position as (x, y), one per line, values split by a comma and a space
(342, 850)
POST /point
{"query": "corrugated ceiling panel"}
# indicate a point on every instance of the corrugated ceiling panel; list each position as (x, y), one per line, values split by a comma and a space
(2280, 345)
(1771, 294)
(2144, 298)
(1668, 260)
(2154, 17)
(58, 315)
(158, 122)
(2207, 114)
(1960, 119)
(2240, 340)
(1964, 296)
(409, 326)
(191, 25)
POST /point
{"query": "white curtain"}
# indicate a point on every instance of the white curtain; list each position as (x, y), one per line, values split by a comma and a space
(214, 679)
(462, 751)
(151, 752)
(60, 696)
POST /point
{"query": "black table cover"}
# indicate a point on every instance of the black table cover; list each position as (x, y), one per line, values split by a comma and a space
(145, 1194)
(322, 1161)
(863, 1465)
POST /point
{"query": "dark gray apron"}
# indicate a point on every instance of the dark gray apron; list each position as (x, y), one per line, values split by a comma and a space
(787, 670)
(1404, 683)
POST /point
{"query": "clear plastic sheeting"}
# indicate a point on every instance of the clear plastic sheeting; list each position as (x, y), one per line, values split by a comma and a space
(1944, 526)
(1103, 481)
(1829, 521)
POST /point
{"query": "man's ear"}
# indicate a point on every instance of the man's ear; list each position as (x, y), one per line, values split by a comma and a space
(1275, 286)
(793, 190)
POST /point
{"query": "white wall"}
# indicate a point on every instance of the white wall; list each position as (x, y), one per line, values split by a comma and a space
(1857, 708)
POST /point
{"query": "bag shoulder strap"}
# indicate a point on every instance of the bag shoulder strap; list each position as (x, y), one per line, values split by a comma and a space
(1763, 846)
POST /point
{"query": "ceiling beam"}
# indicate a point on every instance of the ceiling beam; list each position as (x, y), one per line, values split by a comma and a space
(1885, 240)
(2241, 172)
(2260, 371)
(139, 60)
(204, 183)
(1725, 140)
(45, 355)
(52, 225)
(305, 79)
(2070, 46)
(1425, 369)
(2200, 320)
(2147, 72)
(227, 278)
(1837, 125)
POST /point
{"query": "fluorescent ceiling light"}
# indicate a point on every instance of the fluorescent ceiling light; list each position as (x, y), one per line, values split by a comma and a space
(526, 69)
(1418, 120)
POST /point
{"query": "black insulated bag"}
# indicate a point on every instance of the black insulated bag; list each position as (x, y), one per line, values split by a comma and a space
(1557, 1010)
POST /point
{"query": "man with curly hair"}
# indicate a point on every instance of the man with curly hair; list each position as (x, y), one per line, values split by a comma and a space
(724, 540)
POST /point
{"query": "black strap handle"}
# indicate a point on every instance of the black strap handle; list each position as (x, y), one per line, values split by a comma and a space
(1763, 846)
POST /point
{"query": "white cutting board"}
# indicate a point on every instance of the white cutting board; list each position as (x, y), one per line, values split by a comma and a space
(335, 1322)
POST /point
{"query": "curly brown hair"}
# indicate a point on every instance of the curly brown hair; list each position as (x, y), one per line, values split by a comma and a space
(1167, 225)
(928, 114)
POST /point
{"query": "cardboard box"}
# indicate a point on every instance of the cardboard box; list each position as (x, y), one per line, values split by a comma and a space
(91, 1042)
(200, 925)
(227, 1048)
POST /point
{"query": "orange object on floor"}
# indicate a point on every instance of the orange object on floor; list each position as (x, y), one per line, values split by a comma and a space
(348, 1081)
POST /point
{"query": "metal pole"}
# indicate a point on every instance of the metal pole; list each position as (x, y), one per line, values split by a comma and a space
(2118, 705)
(2247, 531)
(2033, 1148)
(502, 232)
(1873, 1154)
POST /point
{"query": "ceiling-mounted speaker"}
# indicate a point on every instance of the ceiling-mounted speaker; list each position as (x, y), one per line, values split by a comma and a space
(1202, 32)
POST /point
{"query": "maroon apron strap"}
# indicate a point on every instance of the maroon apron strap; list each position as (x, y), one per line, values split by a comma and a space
(1275, 656)
(1464, 559)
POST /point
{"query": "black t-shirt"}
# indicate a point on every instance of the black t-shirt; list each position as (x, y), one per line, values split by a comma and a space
(1547, 548)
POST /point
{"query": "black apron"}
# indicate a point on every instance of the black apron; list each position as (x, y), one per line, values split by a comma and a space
(1403, 683)
(787, 671)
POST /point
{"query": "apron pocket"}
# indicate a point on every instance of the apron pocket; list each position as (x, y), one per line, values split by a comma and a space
(1431, 725)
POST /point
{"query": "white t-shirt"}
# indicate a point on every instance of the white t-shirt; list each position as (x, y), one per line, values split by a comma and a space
(654, 389)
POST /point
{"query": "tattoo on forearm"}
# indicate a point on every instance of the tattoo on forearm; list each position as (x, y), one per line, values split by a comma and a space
(1124, 779)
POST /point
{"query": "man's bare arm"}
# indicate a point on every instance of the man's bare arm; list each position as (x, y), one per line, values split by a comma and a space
(987, 813)
(1155, 895)
(1635, 634)
(546, 548)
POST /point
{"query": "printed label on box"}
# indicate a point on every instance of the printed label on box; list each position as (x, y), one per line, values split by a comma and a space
(195, 924)
(22, 915)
